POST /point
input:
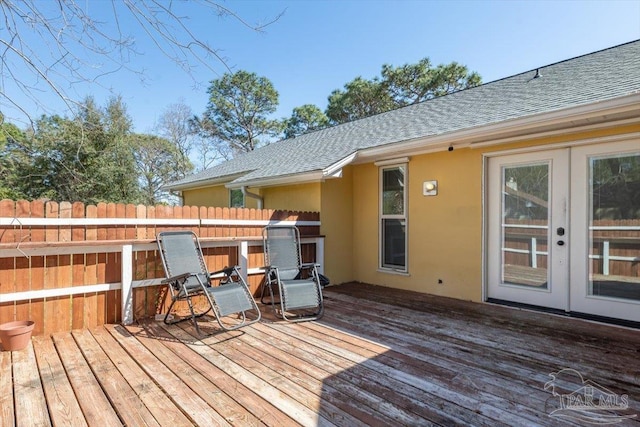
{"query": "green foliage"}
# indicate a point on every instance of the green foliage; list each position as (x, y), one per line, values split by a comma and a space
(397, 87)
(361, 98)
(238, 110)
(10, 136)
(92, 157)
(305, 119)
(158, 162)
(413, 83)
(87, 158)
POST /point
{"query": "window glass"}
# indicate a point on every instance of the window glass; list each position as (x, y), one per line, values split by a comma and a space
(614, 226)
(393, 191)
(236, 198)
(393, 221)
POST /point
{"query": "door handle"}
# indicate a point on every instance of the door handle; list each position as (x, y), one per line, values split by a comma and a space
(560, 231)
(560, 242)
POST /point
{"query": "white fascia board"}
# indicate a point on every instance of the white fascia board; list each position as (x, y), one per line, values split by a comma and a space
(484, 134)
(300, 178)
(335, 170)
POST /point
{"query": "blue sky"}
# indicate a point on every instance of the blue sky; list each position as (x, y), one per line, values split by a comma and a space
(318, 46)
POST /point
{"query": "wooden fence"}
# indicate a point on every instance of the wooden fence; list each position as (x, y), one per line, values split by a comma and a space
(69, 266)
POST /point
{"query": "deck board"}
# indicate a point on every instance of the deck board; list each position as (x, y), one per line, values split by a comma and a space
(95, 405)
(6, 390)
(30, 402)
(379, 357)
(64, 409)
(187, 388)
(129, 406)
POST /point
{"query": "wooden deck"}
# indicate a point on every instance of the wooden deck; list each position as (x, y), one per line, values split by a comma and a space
(378, 357)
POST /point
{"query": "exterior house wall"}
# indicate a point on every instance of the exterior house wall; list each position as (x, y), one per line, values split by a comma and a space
(444, 231)
(337, 221)
(215, 196)
(300, 197)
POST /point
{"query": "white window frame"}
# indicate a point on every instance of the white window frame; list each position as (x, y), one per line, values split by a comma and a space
(404, 217)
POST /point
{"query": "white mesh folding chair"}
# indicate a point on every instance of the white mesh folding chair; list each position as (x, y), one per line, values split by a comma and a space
(187, 276)
(296, 285)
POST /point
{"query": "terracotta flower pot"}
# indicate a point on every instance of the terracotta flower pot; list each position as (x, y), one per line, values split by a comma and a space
(16, 335)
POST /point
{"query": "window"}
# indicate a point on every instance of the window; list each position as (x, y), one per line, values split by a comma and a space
(236, 198)
(393, 218)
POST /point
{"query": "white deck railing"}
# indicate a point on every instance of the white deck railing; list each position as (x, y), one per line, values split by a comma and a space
(606, 256)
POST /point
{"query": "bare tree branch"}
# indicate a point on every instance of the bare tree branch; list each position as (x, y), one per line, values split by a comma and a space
(81, 46)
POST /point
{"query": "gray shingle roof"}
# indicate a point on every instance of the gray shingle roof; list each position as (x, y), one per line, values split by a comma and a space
(596, 77)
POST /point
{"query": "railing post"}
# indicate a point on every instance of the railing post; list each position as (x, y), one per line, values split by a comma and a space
(243, 260)
(320, 253)
(534, 252)
(605, 257)
(127, 282)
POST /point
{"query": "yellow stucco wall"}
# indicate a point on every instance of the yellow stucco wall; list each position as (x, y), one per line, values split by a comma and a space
(444, 231)
(301, 197)
(336, 215)
(209, 196)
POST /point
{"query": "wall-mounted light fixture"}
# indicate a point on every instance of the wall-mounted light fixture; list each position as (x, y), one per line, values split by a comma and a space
(430, 188)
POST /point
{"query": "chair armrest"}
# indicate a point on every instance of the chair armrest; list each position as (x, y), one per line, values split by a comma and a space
(177, 278)
(227, 270)
(309, 265)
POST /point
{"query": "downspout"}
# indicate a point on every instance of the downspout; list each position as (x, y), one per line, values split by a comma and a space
(245, 193)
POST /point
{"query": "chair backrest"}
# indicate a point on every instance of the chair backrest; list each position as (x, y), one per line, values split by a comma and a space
(181, 253)
(282, 250)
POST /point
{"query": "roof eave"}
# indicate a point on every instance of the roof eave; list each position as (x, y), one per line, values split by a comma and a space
(299, 178)
(204, 183)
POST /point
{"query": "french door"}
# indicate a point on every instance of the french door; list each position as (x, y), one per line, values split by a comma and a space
(563, 229)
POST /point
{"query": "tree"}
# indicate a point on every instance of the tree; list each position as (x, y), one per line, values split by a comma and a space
(361, 98)
(238, 110)
(174, 126)
(397, 87)
(10, 159)
(86, 158)
(87, 41)
(413, 83)
(208, 146)
(305, 119)
(158, 162)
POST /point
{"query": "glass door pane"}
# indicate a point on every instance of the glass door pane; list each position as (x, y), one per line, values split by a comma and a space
(614, 226)
(525, 225)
